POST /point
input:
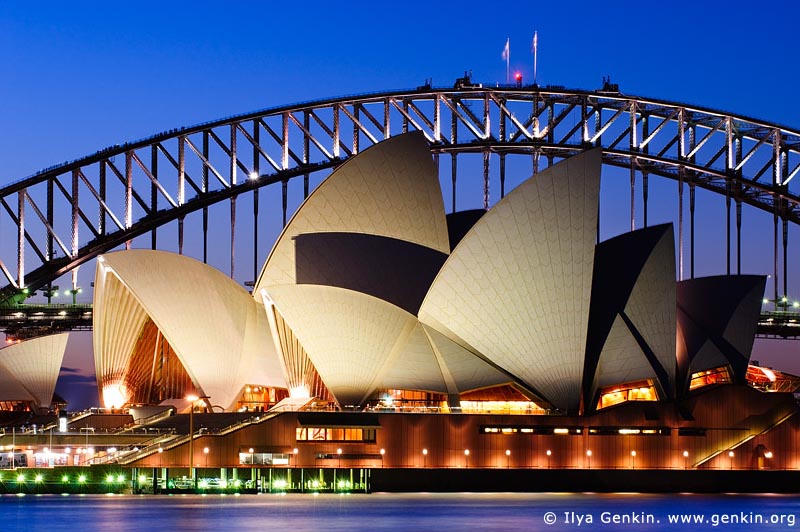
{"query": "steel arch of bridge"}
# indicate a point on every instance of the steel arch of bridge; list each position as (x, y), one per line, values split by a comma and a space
(65, 215)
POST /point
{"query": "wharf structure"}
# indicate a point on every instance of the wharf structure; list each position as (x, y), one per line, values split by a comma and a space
(385, 336)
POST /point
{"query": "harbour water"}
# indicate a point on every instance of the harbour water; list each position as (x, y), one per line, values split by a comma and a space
(381, 512)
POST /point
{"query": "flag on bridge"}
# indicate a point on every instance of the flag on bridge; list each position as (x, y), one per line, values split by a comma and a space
(506, 55)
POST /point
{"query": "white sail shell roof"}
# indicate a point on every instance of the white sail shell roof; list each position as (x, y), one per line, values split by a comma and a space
(359, 343)
(517, 287)
(219, 333)
(391, 189)
(651, 308)
(29, 369)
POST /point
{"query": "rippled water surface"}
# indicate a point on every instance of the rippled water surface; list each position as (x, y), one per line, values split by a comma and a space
(397, 512)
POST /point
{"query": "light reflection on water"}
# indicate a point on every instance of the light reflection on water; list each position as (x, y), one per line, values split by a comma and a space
(377, 512)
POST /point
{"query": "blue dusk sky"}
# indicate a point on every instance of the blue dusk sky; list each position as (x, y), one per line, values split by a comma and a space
(79, 76)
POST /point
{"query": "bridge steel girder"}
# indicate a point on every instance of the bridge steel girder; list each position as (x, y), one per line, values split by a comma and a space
(99, 202)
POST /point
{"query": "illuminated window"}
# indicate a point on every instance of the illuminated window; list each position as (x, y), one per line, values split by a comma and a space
(335, 434)
(631, 391)
(718, 375)
(503, 399)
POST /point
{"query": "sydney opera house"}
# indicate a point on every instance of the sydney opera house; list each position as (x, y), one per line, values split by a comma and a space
(385, 333)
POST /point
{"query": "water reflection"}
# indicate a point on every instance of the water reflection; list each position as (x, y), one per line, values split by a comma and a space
(386, 512)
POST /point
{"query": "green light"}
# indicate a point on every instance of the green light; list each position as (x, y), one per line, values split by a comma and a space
(38, 478)
(238, 483)
(21, 477)
(120, 478)
(203, 484)
(110, 479)
(279, 484)
(81, 479)
(65, 479)
(765, 300)
(142, 479)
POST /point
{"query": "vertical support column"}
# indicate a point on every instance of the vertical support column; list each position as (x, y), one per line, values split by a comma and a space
(633, 193)
(681, 170)
(785, 223)
(691, 229)
(285, 141)
(692, 142)
(75, 227)
(453, 157)
(50, 220)
(128, 194)
(550, 130)
(502, 126)
(356, 135)
(487, 133)
(645, 173)
(233, 234)
(738, 236)
(75, 217)
(584, 119)
(182, 185)
(486, 179)
(738, 154)
(487, 124)
(387, 130)
(680, 223)
(21, 238)
(728, 223)
(204, 188)
(154, 193)
(336, 132)
(784, 173)
(775, 252)
(284, 199)
(729, 153)
(256, 193)
(101, 220)
(776, 201)
(437, 124)
(306, 148)
(502, 175)
(232, 181)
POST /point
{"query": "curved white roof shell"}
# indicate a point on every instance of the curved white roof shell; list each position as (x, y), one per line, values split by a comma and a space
(650, 309)
(29, 369)
(391, 189)
(517, 287)
(359, 343)
(219, 333)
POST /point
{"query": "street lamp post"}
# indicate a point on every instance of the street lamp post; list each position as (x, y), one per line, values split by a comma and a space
(589, 458)
(192, 400)
(508, 458)
(424, 457)
(686, 459)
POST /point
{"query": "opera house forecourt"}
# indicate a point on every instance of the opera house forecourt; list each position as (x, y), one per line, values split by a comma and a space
(505, 349)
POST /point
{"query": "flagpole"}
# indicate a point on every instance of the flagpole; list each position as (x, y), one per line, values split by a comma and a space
(535, 53)
(508, 61)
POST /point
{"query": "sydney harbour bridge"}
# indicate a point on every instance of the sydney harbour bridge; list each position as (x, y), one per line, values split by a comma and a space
(62, 217)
